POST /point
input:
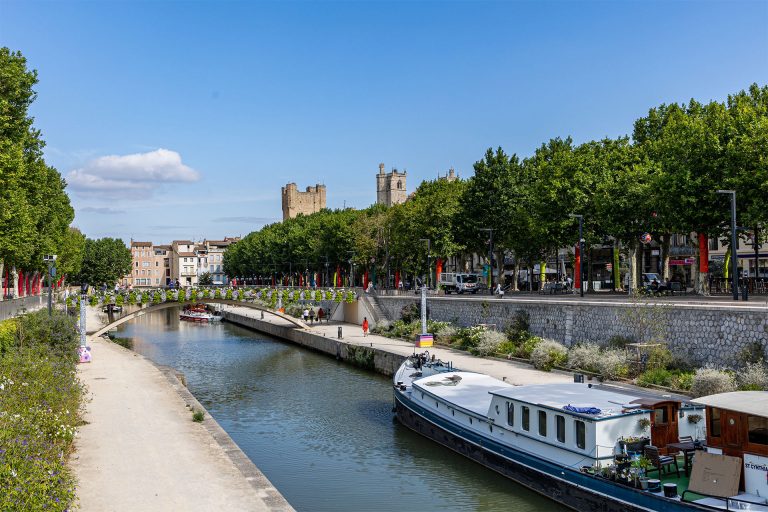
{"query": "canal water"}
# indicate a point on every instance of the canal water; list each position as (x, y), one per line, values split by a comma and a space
(322, 431)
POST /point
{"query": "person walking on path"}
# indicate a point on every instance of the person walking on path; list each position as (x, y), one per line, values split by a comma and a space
(365, 326)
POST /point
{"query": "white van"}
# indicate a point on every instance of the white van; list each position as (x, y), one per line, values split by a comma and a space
(459, 283)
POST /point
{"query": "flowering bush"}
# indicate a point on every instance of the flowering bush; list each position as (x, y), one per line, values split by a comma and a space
(468, 337)
(548, 354)
(489, 343)
(584, 356)
(709, 381)
(613, 364)
(753, 377)
(40, 399)
(229, 294)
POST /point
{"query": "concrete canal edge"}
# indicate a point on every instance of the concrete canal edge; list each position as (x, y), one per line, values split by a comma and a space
(370, 358)
(258, 481)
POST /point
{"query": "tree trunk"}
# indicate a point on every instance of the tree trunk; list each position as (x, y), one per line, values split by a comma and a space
(698, 276)
(2, 280)
(665, 256)
(634, 272)
(15, 283)
(515, 273)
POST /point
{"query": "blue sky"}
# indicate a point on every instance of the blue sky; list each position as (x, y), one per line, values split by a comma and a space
(177, 120)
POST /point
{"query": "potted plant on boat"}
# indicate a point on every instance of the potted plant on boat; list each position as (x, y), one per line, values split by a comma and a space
(641, 466)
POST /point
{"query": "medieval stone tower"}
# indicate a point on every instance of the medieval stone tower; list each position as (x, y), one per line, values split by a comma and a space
(295, 202)
(390, 187)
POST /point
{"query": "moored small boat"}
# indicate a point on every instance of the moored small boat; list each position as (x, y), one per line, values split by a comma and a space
(198, 313)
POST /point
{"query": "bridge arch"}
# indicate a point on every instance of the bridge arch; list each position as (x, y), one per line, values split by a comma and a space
(166, 305)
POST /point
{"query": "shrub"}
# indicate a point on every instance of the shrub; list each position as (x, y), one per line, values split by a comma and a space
(216, 294)
(507, 348)
(132, 298)
(444, 331)
(613, 364)
(488, 343)
(584, 356)
(40, 398)
(655, 377)
(709, 381)
(181, 296)
(119, 300)
(659, 357)
(56, 331)
(157, 299)
(229, 294)
(753, 377)
(404, 330)
(754, 352)
(548, 354)
(350, 298)
(240, 294)
(518, 328)
(207, 294)
(683, 380)
(94, 300)
(7, 335)
(468, 337)
(193, 295)
(526, 348)
(145, 298)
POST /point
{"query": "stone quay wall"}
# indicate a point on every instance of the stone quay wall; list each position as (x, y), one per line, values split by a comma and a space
(370, 358)
(701, 334)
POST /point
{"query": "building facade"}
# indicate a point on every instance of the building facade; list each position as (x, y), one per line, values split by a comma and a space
(210, 259)
(183, 263)
(295, 202)
(390, 187)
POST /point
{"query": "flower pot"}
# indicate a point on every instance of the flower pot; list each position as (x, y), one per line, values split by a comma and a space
(644, 483)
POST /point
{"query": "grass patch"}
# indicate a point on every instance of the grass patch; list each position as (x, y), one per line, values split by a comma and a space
(197, 416)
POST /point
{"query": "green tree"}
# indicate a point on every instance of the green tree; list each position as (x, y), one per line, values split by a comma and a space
(70, 253)
(206, 279)
(34, 208)
(105, 260)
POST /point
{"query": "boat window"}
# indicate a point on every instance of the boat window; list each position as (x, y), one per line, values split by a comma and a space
(560, 421)
(660, 416)
(526, 418)
(757, 429)
(714, 422)
(542, 423)
(510, 414)
(581, 434)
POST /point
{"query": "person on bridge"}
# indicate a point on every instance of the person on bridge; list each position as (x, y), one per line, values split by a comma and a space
(365, 326)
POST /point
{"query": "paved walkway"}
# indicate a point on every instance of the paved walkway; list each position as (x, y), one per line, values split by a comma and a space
(141, 451)
(512, 371)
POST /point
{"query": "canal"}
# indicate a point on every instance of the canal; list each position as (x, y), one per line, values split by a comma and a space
(320, 430)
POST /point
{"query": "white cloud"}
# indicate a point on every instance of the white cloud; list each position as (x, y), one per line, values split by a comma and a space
(131, 175)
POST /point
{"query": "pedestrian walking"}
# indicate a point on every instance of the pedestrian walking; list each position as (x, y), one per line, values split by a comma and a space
(365, 326)
(311, 315)
(320, 315)
(305, 315)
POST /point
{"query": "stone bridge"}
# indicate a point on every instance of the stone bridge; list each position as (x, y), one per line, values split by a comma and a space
(165, 305)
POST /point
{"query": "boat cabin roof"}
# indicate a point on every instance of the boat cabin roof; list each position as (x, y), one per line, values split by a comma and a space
(557, 396)
(470, 391)
(747, 402)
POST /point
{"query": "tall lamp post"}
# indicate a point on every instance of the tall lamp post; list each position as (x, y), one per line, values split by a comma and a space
(581, 250)
(734, 252)
(429, 257)
(490, 257)
(51, 260)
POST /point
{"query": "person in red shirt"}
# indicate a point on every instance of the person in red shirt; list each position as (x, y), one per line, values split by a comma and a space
(365, 326)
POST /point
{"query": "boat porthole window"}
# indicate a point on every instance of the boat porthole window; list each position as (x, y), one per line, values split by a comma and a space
(543, 423)
(560, 423)
(731, 421)
(526, 418)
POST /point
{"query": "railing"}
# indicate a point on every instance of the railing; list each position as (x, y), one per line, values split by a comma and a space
(755, 286)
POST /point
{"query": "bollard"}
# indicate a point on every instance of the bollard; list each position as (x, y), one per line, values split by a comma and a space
(744, 295)
(340, 336)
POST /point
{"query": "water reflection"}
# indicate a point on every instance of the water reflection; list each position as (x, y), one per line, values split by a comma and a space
(320, 430)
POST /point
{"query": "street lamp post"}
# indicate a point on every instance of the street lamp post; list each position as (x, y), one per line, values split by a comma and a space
(581, 250)
(429, 258)
(51, 260)
(490, 257)
(734, 252)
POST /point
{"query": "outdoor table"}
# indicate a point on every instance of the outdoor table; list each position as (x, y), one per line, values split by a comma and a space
(688, 450)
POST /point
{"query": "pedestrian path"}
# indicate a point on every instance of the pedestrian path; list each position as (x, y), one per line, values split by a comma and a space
(140, 450)
(510, 371)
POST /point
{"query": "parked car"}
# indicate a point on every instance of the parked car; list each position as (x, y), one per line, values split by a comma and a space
(459, 283)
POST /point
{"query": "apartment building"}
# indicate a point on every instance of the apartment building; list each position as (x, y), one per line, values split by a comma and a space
(210, 259)
(183, 263)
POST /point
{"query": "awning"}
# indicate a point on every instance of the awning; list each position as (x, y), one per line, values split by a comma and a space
(747, 402)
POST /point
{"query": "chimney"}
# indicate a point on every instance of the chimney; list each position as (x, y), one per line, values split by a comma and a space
(381, 168)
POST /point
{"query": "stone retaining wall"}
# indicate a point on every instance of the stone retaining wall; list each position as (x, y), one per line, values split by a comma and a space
(365, 357)
(703, 335)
